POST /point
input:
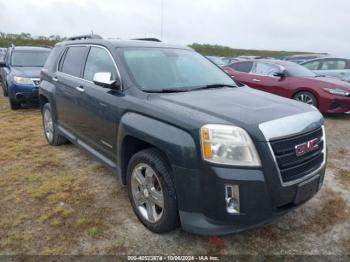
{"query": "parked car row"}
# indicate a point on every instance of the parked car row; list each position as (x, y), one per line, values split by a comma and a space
(294, 81)
(193, 146)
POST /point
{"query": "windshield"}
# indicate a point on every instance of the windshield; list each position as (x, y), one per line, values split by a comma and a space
(299, 71)
(29, 58)
(157, 69)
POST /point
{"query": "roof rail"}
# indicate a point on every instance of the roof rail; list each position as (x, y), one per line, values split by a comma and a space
(148, 39)
(82, 37)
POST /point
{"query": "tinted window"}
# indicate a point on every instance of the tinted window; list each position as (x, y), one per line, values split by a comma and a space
(29, 58)
(73, 61)
(245, 67)
(155, 69)
(99, 61)
(265, 69)
(333, 65)
(312, 65)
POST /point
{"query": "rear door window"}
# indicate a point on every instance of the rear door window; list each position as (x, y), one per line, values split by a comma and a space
(244, 67)
(73, 60)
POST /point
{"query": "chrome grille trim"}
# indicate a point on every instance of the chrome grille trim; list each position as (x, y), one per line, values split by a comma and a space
(296, 181)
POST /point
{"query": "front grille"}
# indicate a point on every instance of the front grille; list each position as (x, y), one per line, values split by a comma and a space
(290, 165)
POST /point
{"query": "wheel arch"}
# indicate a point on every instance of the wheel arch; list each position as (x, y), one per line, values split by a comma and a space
(137, 132)
(305, 89)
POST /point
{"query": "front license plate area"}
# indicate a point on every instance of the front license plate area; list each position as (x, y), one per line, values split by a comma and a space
(307, 189)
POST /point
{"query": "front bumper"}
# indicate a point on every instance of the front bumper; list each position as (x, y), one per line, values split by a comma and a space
(24, 93)
(335, 104)
(203, 208)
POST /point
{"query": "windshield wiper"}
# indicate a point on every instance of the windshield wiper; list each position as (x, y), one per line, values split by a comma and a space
(176, 90)
(320, 75)
(213, 86)
(168, 90)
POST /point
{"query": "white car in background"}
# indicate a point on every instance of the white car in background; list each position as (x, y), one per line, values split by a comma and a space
(330, 66)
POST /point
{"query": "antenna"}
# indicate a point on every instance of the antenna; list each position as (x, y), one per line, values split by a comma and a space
(161, 19)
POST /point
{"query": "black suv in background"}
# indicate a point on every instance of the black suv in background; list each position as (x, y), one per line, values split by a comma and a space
(192, 147)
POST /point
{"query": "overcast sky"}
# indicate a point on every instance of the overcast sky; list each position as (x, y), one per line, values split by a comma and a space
(295, 25)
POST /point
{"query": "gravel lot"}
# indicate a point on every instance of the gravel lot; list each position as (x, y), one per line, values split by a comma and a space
(58, 200)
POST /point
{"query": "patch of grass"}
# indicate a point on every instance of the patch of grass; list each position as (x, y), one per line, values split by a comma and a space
(343, 176)
(95, 232)
(334, 211)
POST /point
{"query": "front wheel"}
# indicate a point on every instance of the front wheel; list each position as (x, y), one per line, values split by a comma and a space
(307, 98)
(13, 104)
(151, 191)
(4, 90)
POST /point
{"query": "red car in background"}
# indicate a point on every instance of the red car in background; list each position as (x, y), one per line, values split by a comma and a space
(291, 80)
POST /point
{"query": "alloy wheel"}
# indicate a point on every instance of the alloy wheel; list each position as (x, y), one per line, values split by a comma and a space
(305, 98)
(48, 125)
(147, 192)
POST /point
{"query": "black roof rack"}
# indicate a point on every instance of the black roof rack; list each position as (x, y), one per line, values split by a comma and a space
(148, 39)
(82, 37)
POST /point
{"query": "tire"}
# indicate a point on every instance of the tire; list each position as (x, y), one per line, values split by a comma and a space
(307, 98)
(50, 129)
(156, 183)
(14, 105)
(4, 90)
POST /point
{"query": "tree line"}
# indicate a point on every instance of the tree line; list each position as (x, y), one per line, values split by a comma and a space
(26, 39)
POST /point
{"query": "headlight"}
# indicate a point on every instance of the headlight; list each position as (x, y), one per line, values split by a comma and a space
(228, 145)
(23, 80)
(337, 91)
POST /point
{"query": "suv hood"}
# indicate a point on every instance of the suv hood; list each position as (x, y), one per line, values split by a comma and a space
(242, 106)
(31, 72)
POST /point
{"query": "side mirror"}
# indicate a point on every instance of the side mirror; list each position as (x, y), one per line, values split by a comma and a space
(279, 74)
(104, 79)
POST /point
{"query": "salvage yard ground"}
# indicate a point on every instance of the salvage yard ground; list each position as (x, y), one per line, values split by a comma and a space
(58, 200)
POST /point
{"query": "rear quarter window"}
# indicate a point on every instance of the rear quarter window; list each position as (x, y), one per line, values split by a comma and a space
(51, 61)
(244, 67)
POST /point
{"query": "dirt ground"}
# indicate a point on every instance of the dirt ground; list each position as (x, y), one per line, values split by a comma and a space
(58, 200)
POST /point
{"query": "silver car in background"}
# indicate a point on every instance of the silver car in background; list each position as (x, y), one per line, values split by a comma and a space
(330, 66)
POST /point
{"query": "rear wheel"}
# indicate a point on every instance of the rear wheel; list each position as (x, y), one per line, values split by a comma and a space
(151, 191)
(307, 98)
(51, 134)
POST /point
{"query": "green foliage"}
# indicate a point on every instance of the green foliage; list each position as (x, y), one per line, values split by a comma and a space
(26, 39)
(217, 50)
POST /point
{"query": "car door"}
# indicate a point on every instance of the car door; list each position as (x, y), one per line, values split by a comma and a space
(262, 78)
(99, 111)
(334, 67)
(68, 94)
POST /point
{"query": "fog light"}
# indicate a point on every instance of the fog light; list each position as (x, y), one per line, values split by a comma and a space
(232, 199)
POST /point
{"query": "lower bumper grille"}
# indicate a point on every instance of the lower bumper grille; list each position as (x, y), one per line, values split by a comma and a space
(294, 164)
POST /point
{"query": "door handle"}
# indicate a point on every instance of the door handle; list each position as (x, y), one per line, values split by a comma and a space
(55, 79)
(256, 80)
(80, 89)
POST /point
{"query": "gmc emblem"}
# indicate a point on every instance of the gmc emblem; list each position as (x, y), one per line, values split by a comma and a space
(307, 147)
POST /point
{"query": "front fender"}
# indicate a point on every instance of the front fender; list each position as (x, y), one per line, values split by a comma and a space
(177, 144)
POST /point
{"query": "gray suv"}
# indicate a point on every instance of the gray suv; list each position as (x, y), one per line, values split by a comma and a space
(192, 147)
